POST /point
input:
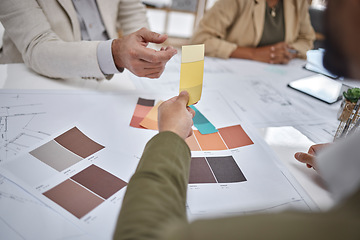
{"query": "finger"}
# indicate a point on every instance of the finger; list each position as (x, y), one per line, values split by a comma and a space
(142, 64)
(183, 98)
(152, 56)
(149, 36)
(145, 72)
(191, 132)
(305, 158)
(281, 45)
(153, 70)
(170, 48)
(285, 60)
(169, 101)
(154, 75)
(313, 149)
(148, 65)
(191, 111)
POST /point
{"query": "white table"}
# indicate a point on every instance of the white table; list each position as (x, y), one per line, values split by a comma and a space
(284, 140)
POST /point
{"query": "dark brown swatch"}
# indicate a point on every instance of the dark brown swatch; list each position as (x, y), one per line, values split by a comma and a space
(146, 102)
(200, 171)
(99, 181)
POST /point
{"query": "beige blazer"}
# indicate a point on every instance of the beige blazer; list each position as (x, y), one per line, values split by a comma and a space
(45, 34)
(232, 23)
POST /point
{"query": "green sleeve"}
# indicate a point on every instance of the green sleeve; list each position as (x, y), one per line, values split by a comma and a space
(156, 194)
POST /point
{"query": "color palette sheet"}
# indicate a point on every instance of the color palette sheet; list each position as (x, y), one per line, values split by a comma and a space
(215, 170)
(202, 123)
(85, 191)
(150, 121)
(142, 108)
(77, 177)
(192, 71)
(66, 150)
(226, 138)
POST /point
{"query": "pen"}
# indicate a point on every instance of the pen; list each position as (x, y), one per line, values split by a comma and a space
(356, 125)
(348, 122)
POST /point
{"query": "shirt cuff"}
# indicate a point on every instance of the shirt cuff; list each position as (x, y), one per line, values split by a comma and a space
(105, 58)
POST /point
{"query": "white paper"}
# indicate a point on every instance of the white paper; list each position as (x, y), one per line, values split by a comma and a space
(269, 187)
(25, 217)
(105, 118)
(37, 178)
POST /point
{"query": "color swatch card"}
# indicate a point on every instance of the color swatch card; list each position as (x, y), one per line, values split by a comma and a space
(202, 123)
(142, 108)
(77, 177)
(192, 71)
(151, 119)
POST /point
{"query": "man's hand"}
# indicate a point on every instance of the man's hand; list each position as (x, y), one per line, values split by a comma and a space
(310, 157)
(131, 52)
(175, 116)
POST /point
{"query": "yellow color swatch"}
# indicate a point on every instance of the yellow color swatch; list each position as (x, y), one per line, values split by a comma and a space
(150, 121)
(192, 71)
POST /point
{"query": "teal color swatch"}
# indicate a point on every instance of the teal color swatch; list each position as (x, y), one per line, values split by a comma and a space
(201, 123)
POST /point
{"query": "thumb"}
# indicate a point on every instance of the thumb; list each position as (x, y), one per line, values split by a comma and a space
(304, 157)
(153, 37)
(183, 98)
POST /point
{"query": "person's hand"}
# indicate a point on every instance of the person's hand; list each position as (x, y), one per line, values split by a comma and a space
(175, 116)
(275, 54)
(131, 52)
(310, 157)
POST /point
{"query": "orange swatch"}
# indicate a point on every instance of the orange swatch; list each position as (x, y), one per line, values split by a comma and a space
(235, 136)
(150, 121)
(210, 142)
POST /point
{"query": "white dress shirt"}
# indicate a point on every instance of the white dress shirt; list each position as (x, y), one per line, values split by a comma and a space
(93, 29)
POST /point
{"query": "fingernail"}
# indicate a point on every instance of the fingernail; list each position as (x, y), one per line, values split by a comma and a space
(297, 155)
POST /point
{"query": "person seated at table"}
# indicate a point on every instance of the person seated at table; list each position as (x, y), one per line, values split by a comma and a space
(271, 31)
(154, 206)
(70, 39)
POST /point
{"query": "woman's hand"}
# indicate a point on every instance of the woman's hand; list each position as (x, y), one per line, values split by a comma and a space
(310, 157)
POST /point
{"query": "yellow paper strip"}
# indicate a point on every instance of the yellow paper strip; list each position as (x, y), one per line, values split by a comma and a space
(150, 120)
(192, 72)
(192, 53)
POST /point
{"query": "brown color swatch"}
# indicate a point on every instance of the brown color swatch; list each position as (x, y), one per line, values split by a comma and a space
(235, 136)
(74, 198)
(210, 142)
(200, 171)
(77, 142)
(99, 181)
(146, 102)
(142, 108)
